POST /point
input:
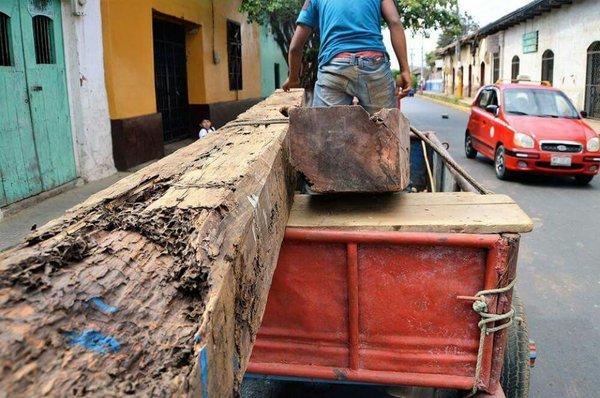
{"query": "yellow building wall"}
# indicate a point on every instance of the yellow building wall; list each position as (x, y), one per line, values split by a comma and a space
(129, 53)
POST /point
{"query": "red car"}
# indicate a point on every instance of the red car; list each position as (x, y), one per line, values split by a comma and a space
(532, 128)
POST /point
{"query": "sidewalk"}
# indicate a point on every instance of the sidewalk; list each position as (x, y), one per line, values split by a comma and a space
(15, 227)
(465, 105)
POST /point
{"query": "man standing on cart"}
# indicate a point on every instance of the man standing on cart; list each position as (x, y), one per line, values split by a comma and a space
(353, 61)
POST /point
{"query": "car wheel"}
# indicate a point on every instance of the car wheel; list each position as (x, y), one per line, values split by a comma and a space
(469, 150)
(500, 164)
(583, 180)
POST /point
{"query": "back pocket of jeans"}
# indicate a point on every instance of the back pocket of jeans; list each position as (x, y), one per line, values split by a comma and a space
(381, 89)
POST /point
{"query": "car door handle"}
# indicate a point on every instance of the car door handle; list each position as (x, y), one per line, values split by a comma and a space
(37, 88)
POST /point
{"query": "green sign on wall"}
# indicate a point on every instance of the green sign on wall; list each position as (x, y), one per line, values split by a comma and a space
(530, 42)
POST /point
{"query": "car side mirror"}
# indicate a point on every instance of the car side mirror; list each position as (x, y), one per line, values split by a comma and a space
(493, 109)
(584, 114)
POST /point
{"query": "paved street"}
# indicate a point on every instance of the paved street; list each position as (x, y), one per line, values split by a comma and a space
(558, 279)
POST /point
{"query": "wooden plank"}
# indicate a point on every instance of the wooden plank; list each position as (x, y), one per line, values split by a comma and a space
(157, 285)
(418, 212)
(343, 149)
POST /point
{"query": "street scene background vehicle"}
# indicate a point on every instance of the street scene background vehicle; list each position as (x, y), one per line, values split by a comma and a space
(531, 128)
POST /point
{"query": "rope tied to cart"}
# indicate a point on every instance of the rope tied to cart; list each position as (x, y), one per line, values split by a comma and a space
(480, 306)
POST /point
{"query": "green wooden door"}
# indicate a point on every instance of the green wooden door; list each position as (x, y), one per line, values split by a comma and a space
(19, 169)
(41, 27)
(36, 139)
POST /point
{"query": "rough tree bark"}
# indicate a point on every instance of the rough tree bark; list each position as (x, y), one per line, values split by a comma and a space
(157, 285)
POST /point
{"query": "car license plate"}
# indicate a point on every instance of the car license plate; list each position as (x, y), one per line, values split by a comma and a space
(562, 161)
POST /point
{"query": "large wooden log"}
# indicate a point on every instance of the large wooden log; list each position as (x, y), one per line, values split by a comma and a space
(157, 285)
(343, 149)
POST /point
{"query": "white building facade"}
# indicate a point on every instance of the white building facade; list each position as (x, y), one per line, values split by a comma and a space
(84, 58)
(547, 40)
(565, 38)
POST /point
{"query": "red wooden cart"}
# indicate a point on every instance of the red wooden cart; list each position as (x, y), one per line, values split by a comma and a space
(413, 289)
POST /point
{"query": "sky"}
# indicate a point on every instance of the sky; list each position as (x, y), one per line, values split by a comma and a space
(483, 11)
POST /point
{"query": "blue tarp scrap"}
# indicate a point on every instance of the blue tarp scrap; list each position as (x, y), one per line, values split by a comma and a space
(94, 341)
(102, 306)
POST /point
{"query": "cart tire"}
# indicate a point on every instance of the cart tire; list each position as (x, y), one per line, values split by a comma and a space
(517, 370)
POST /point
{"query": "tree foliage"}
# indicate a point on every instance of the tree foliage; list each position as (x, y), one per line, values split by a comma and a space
(453, 32)
(430, 59)
(280, 16)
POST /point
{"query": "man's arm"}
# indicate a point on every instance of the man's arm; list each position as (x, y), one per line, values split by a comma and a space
(299, 40)
(392, 17)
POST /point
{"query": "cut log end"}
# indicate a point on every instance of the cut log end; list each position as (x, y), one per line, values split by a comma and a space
(345, 150)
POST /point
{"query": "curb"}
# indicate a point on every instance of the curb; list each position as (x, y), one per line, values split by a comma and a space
(23, 204)
(443, 101)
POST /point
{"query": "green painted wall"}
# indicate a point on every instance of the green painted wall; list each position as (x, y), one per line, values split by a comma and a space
(270, 55)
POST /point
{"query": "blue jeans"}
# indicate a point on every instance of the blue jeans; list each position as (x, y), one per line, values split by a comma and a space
(368, 79)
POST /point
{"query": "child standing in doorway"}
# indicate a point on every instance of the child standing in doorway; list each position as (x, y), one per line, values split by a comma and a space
(206, 128)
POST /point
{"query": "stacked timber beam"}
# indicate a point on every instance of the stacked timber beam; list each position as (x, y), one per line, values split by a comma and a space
(157, 285)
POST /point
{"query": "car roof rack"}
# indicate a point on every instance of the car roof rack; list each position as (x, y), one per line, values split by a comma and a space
(525, 79)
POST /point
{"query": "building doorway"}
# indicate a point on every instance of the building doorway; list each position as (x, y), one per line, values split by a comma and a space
(592, 87)
(460, 82)
(170, 69)
(453, 82)
(470, 90)
(482, 75)
(35, 125)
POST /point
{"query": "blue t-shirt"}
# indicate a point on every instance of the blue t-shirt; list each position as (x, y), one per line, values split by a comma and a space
(344, 26)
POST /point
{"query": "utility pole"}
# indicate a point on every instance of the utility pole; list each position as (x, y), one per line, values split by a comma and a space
(422, 57)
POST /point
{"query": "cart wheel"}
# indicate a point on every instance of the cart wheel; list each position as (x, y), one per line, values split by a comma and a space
(517, 369)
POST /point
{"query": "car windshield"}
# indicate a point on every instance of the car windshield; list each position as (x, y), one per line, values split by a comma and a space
(537, 102)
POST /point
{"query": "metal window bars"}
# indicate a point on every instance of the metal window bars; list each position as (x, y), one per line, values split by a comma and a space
(234, 55)
(43, 36)
(5, 55)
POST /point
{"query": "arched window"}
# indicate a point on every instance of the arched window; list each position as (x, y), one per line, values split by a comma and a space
(548, 66)
(5, 55)
(496, 68)
(592, 87)
(43, 36)
(516, 67)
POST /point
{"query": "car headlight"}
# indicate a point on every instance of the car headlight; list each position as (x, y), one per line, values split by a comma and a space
(523, 141)
(593, 145)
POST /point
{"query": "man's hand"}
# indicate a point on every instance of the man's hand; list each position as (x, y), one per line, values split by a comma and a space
(290, 84)
(403, 84)
(390, 14)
